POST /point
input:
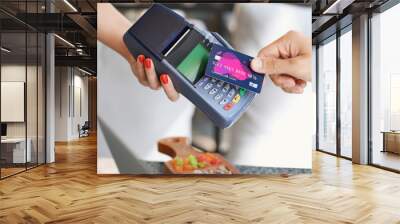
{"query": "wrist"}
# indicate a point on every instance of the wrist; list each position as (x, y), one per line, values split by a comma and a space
(124, 50)
(122, 46)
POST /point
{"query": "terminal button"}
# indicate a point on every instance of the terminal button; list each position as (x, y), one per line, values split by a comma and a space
(218, 96)
(228, 106)
(224, 101)
(226, 88)
(231, 93)
(202, 81)
(208, 86)
(236, 99)
(213, 91)
(242, 91)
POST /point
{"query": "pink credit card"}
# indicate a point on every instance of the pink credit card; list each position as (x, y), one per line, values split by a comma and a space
(233, 67)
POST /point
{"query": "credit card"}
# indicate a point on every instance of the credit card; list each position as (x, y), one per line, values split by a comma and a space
(233, 67)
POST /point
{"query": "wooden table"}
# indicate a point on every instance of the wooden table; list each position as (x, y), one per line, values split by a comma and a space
(13, 150)
(391, 141)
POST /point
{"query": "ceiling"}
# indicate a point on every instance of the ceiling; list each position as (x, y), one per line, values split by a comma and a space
(332, 15)
(72, 20)
(76, 22)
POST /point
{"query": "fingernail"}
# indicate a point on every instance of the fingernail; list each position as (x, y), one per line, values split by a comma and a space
(141, 58)
(256, 64)
(164, 79)
(147, 63)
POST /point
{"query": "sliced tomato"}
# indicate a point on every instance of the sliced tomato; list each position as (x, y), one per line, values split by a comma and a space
(178, 168)
(187, 167)
(186, 161)
(202, 158)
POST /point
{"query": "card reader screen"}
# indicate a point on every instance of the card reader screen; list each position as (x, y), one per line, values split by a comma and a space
(194, 64)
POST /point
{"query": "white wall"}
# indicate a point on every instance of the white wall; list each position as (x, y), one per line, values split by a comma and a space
(61, 103)
(82, 82)
(68, 82)
(132, 117)
(12, 101)
(80, 109)
(277, 128)
(12, 73)
(33, 126)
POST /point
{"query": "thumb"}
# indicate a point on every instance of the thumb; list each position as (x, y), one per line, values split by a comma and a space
(296, 67)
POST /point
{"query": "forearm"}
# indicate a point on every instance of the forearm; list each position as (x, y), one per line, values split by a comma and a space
(111, 27)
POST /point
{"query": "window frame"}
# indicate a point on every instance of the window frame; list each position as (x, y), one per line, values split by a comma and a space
(381, 9)
(31, 30)
(334, 37)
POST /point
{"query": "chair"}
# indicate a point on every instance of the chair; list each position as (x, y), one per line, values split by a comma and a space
(84, 130)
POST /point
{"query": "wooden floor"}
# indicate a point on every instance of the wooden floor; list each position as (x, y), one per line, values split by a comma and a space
(387, 159)
(70, 191)
(11, 170)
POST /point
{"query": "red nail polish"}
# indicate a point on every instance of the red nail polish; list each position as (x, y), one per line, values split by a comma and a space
(147, 63)
(164, 79)
(141, 58)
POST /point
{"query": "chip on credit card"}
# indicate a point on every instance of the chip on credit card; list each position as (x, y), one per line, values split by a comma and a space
(233, 67)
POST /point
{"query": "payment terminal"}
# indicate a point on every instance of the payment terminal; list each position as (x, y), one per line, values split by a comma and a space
(181, 50)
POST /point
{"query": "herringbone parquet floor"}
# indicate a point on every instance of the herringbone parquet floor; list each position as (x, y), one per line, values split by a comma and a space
(70, 191)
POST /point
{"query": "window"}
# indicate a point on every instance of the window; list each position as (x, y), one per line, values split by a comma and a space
(385, 89)
(14, 155)
(346, 93)
(22, 77)
(327, 96)
(394, 102)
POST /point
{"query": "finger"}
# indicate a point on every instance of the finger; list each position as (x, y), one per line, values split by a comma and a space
(301, 83)
(296, 67)
(291, 44)
(168, 87)
(278, 48)
(274, 79)
(283, 80)
(271, 50)
(139, 70)
(151, 74)
(298, 89)
(295, 89)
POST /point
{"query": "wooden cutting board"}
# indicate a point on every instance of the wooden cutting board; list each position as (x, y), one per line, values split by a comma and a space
(179, 146)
